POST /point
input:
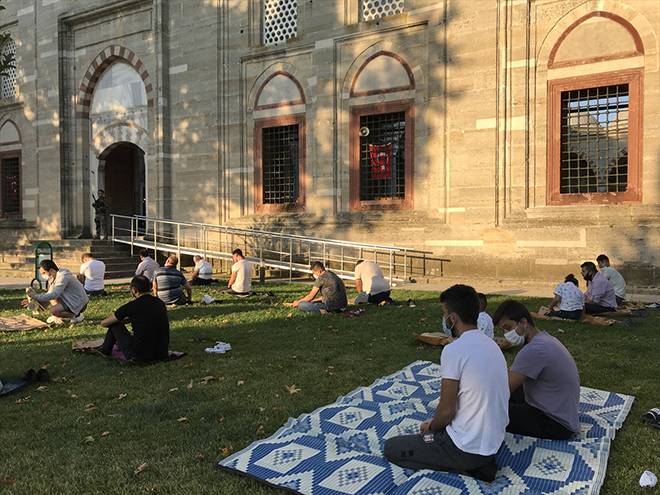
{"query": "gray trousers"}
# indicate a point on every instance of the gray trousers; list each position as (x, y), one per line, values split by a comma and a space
(412, 452)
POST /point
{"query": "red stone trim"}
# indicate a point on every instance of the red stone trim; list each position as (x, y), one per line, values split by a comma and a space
(301, 101)
(398, 58)
(96, 68)
(355, 204)
(634, 78)
(639, 46)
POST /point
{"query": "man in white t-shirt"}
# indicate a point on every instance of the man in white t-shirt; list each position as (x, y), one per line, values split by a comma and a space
(240, 281)
(202, 273)
(469, 423)
(370, 283)
(92, 272)
(615, 278)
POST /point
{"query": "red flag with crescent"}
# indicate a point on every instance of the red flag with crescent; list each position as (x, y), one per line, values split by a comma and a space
(380, 157)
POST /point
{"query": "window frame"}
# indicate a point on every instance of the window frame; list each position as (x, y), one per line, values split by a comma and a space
(355, 203)
(634, 79)
(4, 155)
(259, 125)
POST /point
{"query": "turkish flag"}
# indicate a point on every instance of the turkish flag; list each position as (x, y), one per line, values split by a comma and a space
(381, 161)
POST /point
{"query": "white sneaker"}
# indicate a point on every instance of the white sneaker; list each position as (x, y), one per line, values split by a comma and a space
(78, 319)
(55, 320)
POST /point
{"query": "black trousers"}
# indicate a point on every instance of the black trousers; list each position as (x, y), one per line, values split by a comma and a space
(411, 451)
(532, 422)
(118, 334)
(380, 297)
(567, 315)
(596, 309)
(201, 281)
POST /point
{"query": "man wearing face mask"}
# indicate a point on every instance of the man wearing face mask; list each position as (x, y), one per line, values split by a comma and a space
(151, 327)
(332, 292)
(600, 296)
(468, 427)
(543, 379)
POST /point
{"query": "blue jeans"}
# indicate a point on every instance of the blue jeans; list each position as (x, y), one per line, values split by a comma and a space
(314, 307)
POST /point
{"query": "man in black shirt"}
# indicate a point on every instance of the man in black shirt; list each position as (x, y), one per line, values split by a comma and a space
(151, 327)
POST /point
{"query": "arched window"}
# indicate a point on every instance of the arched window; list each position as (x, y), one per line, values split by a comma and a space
(381, 140)
(8, 79)
(279, 145)
(10, 170)
(595, 125)
(120, 89)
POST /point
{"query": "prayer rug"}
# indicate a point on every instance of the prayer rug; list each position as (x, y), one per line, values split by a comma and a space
(338, 449)
(20, 323)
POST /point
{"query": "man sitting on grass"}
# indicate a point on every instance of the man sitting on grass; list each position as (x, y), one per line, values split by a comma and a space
(203, 272)
(543, 379)
(92, 272)
(66, 295)
(148, 266)
(370, 284)
(600, 296)
(332, 289)
(169, 284)
(240, 281)
(615, 278)
(151, 328)
(468, 427)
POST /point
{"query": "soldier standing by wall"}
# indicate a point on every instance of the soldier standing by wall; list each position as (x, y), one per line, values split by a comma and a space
(100, 215)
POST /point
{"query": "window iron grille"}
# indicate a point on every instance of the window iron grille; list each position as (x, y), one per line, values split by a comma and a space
(382, 156)
(594, 140)
(8, 79)
(375, 9)
(280, 164)
(280, 20)
(10, 188)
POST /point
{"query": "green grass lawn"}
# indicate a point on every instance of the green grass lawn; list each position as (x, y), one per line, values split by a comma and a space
(45, 435)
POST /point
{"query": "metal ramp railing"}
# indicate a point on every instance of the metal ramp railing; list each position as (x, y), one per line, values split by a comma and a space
(275, 250)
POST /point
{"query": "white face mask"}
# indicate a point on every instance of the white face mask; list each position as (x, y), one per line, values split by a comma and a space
(316, 277)
(513, 337)
(449, 331)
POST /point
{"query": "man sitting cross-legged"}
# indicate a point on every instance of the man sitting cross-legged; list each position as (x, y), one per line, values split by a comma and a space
(600, 296)
(240, 281)
(543, 379)
(202, 273)
(151, 327)
(169, 284)
(66, 295)
(468, 427)
(332, 289)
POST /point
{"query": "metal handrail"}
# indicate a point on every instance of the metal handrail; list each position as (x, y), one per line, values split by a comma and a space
(167, 237)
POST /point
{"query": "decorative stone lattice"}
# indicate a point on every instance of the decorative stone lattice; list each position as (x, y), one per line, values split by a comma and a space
(8, 81)
(280, 20)
(375, 9)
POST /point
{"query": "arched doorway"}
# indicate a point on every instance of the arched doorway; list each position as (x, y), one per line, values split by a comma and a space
(122, 176)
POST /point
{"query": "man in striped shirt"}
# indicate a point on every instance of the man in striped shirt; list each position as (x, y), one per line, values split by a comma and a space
(169, 284)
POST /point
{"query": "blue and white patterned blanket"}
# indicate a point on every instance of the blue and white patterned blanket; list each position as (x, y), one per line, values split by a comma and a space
(338, 449)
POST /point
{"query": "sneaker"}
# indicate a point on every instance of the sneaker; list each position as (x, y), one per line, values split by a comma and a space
(77, 319)
(411, 303)
(55, 320)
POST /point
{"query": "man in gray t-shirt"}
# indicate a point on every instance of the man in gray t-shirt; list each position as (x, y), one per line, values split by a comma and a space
(543, 379)
(331, 288)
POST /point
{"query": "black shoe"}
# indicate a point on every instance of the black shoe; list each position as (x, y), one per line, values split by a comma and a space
(43, 375)
(411, 304)
(30, 376)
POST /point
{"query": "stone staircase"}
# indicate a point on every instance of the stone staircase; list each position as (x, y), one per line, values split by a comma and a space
(18, 262)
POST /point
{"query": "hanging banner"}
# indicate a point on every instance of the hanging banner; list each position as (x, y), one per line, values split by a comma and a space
(380, 157)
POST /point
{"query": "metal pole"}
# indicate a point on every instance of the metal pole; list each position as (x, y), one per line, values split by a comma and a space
(155, 241)
(113, 230)
(290, 260)
(342, 258)
(132, 238)
(405, 264)
(178, 243)
(390, 267)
